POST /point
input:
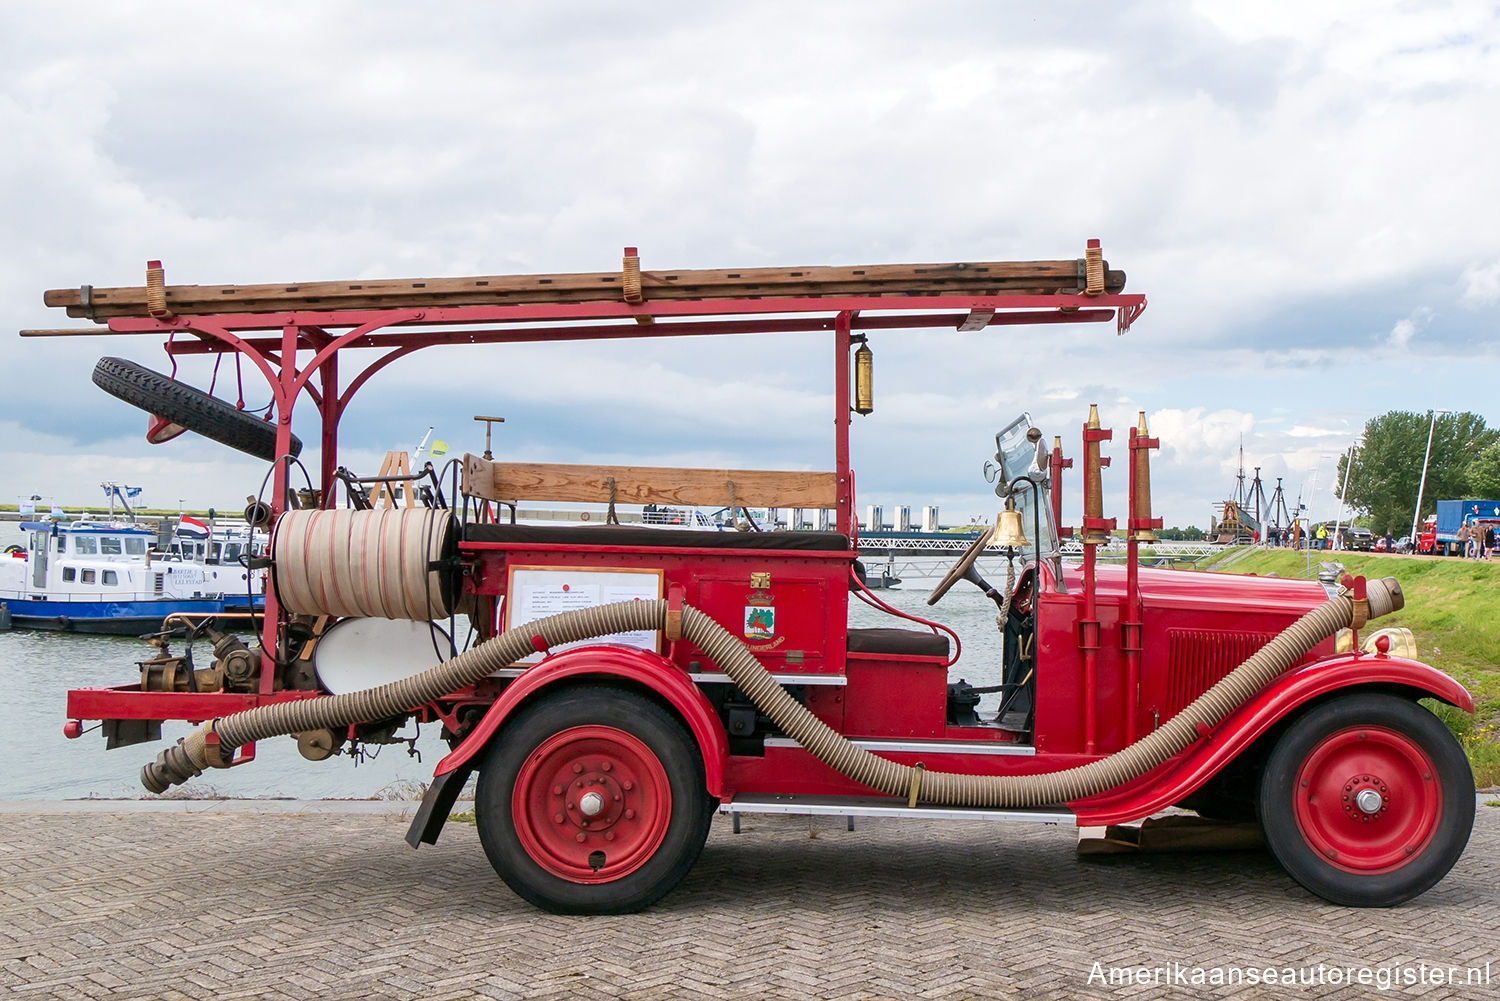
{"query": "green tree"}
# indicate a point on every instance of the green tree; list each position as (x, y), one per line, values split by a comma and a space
(1388, 465)
(1484, 474)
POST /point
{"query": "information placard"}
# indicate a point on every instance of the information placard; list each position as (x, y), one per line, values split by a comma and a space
(536, 592)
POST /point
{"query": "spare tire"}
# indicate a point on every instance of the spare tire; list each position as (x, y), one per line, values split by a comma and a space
(192, 408)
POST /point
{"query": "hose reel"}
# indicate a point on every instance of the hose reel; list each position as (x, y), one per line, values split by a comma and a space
(389, 563)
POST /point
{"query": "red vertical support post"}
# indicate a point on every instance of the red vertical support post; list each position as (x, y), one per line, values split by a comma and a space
(331, 410)
(1096, 529)
(1130, 621)
(1138, 529)
(845, 486)
(286, 390)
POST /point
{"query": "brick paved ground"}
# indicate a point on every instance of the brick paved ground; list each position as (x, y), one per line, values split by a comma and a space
(99, 903)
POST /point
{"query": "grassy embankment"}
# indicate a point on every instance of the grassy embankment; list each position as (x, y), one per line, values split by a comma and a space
(1453, 608)
(102, 511)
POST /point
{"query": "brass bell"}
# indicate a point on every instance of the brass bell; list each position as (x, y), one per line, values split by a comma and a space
(1009, 532)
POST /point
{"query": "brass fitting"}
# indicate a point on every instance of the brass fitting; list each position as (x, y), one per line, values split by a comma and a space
(1142, 460)
(1093, 482)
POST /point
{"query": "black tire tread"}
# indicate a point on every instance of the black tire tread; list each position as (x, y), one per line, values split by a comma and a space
(634, 713)
(1305, 865)
(194, 409)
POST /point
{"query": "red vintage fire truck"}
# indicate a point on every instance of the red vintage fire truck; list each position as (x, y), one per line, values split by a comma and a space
(628, 681)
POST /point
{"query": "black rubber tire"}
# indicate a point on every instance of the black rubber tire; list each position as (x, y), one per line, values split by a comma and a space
(195, 410)
(1284, 836)
(667, 739)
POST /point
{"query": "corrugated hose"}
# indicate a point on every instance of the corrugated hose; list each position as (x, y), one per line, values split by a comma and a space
(189, 757)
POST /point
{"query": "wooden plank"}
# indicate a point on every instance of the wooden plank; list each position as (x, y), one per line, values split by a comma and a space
(99, 310)
(599, 282)
(998, 277)
(581, 484)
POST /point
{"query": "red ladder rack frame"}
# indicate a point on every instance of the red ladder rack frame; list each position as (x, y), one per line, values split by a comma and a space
(396, 333)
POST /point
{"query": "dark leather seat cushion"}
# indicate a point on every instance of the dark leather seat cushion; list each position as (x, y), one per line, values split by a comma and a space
(908, 642)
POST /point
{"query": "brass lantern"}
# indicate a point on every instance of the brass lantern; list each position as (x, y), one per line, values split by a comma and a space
(864, 379)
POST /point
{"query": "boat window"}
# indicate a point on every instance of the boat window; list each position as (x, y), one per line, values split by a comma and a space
(85, 545)
(111, 578)
(232, 552)
(62, 543)
(70, 574)
(135, 547)
(109, 545)
(88, 576)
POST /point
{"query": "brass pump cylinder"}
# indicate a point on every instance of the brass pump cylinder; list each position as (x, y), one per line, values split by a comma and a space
(1142, 460)
(1093, 482)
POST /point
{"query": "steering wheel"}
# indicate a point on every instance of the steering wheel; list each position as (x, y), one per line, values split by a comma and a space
(960, 566)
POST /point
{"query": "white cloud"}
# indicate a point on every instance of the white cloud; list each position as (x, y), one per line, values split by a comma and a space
(1407, 327)
(1481, 284)
(1199, 434)
(1267, 173)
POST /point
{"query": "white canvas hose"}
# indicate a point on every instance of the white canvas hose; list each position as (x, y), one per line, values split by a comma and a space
(362, 564)
(190, 756)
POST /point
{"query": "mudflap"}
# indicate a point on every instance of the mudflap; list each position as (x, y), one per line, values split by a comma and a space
(128, 732)
(436, 805)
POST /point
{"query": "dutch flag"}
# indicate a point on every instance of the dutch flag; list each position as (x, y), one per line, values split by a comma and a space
(192, 528)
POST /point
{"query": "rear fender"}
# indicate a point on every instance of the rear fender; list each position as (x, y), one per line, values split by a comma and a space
(639, 668)
(1174, 780)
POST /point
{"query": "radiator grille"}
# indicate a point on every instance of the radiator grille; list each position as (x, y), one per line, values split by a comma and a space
(1197, 658)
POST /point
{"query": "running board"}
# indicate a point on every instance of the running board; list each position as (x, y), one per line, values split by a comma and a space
(883, 806)
(925, 746)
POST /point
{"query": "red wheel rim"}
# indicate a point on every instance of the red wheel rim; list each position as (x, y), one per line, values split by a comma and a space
(1368, 799)
(591, 804)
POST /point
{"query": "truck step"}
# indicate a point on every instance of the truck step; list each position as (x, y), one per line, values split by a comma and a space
(889, 806)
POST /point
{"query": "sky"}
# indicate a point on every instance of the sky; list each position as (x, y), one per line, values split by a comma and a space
(1305, 194)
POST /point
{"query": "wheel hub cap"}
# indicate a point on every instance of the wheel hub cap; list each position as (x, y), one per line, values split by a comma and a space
(1368, 799)
(591, 804)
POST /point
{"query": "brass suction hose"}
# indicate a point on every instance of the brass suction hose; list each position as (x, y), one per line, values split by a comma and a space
(954, 789)
(189, 757)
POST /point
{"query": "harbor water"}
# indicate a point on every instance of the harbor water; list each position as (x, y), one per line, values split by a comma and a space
(38, 668)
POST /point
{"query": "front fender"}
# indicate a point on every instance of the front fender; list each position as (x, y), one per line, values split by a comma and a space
(1174, 780)
(639, 667)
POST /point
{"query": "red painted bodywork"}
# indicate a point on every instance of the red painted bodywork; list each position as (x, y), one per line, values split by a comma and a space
(1174, 780)
(129, 702)
(609, 663)
(809, 587)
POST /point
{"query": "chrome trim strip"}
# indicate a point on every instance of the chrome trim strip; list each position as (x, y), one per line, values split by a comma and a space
(874, 806)
(927, 746)
(720, 678)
